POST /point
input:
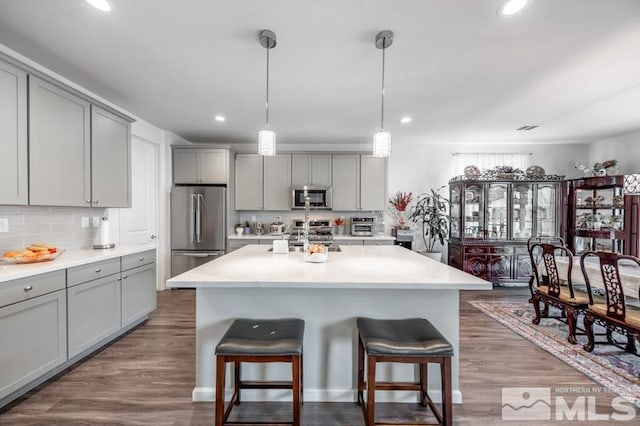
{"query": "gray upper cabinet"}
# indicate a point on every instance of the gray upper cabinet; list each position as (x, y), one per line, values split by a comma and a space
(263, 183)
(59, 146)
(277, 182)
(346, 182)
(249, 182)
(373, 183)
(200, 165)
(110, 159)
(13, 135)
(312, 169)
(79, 154)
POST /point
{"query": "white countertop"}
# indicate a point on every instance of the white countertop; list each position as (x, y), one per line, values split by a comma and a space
(356, 267)
(68, 259)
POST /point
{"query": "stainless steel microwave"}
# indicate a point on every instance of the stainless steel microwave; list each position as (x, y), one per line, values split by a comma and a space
(319, 197)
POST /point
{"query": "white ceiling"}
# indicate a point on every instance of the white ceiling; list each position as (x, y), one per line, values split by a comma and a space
(463, 73)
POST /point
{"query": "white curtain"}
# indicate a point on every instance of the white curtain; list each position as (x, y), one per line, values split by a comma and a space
(490, 160)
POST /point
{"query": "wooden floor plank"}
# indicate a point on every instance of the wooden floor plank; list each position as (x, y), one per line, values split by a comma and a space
(146, 377)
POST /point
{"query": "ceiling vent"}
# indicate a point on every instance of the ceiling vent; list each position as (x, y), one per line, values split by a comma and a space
(527, 128)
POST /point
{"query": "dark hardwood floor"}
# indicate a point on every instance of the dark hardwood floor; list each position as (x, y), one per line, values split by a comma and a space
(146, 377)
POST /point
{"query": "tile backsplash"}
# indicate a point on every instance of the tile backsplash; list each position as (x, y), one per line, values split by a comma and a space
(59, 226)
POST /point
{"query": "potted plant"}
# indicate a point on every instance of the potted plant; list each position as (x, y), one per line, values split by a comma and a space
(430, 211)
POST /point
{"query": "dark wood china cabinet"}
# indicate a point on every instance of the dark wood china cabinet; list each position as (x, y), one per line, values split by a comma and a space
(491, 221)
(598, 215)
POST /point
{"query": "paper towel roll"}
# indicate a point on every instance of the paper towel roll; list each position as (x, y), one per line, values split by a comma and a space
(102, 237)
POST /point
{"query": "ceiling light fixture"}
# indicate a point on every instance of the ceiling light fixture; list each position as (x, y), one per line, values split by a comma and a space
(382, 139)
(267, 137)
(102, 5)
(219, 118)
(405, 120)
(511, 7)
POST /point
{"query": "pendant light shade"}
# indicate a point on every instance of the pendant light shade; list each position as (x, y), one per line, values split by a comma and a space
(267, 142)
(382, 139)
(267, 137)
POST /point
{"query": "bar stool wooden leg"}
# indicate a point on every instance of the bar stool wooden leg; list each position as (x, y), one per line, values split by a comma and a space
(236, 381)
(220, 373)
(371, 390)
(447, 403)
(360, 370)
(424, 380)
(301, 379)
(295, 381)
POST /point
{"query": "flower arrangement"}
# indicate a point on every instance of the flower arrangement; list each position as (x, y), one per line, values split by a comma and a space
(339, 221)
(399, 204)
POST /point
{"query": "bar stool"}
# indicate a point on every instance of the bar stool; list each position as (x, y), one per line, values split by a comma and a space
(259, 341)
(413, 341)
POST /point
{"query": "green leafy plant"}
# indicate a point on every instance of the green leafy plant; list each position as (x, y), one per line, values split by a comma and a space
(430, 211)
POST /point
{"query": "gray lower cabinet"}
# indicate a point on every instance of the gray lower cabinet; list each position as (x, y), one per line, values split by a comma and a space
(378, 242)
(59, 146)
(13, 135)
(33, 335)
(94, 313)
(110, 159)
(234, 244)
(138, 293)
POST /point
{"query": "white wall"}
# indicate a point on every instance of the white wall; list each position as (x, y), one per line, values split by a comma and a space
(624, 148)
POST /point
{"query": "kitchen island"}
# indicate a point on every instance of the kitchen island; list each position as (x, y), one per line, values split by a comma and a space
(374, 281)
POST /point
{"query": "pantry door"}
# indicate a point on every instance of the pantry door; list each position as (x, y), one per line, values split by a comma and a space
(138, 225)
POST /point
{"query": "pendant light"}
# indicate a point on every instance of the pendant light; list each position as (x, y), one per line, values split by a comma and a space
(267, 137)
(382, 139)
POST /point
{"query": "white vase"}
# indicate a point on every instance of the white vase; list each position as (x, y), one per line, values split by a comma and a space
(437, 256)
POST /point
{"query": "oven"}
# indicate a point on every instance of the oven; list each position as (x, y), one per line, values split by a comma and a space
(363, 226)
(319, 197)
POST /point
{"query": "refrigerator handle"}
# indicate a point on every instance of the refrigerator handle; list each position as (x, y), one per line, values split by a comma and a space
(199, 218)
(192, 224)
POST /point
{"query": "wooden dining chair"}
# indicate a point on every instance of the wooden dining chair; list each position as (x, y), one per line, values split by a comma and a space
(535, 258)
(612, 313)
(558, 291)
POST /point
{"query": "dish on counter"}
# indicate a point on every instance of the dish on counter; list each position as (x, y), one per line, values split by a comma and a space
(36, 252)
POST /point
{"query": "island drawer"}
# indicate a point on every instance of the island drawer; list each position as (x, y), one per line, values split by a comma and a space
(30, 287)
(92, 271)
(138, 259)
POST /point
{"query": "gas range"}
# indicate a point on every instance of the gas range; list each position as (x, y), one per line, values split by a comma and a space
(319, 233)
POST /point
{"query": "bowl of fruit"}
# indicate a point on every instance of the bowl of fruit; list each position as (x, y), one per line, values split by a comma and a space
(316, 253)
(36, 252)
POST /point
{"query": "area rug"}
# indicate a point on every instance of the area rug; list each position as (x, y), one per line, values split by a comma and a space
(607, 365)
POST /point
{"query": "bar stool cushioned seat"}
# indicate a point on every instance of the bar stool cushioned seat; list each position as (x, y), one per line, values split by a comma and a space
(411, 340)
(259, 341)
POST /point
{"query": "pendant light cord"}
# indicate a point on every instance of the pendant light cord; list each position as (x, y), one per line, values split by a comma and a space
(384, 40)
(267, 103)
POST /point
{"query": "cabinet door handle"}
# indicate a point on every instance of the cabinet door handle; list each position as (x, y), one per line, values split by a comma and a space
(118, 279)
(141, 259)
(124, 277)
(98, 270)
(88, 201)
(28, 288)
(96, 201)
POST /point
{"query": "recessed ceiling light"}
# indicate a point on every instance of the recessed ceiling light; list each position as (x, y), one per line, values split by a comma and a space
(511, 7)
(219, 118)
(102, 5)
(405, 120)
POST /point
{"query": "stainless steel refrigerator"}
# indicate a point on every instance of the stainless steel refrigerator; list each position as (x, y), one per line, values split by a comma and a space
(198, 226)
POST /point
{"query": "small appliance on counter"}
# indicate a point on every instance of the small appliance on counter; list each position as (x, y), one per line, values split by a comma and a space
(103, 240)
(363, 226)
(277, 227)
(319, 233)
(259, 229)
(404, 237)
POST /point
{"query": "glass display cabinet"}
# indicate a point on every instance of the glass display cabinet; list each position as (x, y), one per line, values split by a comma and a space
(492, 219)
(598, 215)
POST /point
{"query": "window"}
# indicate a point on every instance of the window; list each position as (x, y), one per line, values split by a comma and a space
(490, 160)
